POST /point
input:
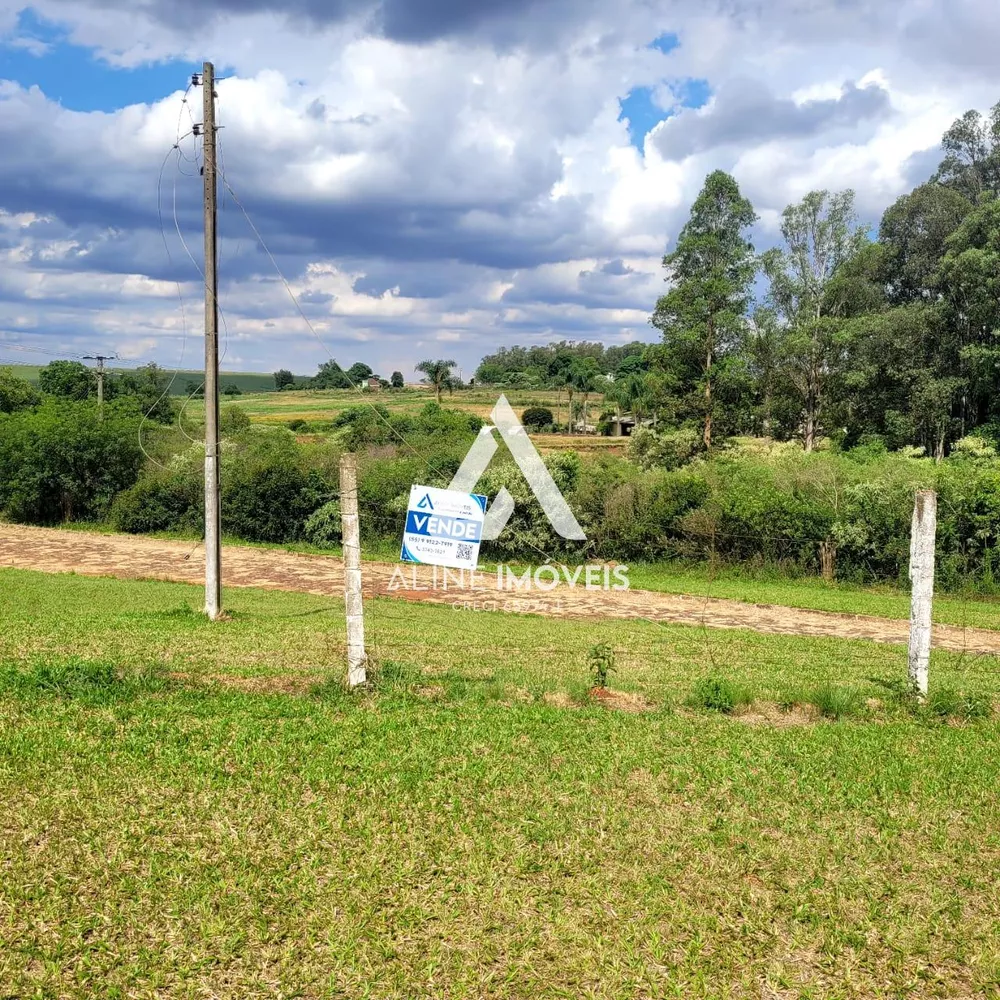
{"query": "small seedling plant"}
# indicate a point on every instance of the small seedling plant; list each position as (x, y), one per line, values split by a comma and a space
(601, 661)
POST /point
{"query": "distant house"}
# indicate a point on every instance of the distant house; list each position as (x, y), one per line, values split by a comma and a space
(372, 384)
(622, 426)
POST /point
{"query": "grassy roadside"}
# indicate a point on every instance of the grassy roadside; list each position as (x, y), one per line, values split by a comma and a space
(474, 826)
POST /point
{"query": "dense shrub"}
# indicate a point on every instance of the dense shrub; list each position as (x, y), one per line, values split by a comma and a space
(644, 517)
(233, 420)
(323, 526)
(537, 418)
(267, 493)
(269, 490)
(60, 462)
(164, 499)
(668, 450)
(16, 393)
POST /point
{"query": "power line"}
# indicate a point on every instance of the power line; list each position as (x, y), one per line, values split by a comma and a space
(65, 355)
(428, 463)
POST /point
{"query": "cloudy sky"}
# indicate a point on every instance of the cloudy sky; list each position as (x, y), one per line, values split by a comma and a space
(435, 178)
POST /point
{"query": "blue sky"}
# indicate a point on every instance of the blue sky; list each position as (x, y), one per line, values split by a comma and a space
(436, 179)
(75, 77)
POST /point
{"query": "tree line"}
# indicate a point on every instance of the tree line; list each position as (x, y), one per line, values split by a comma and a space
(439, 375)
(831, 334)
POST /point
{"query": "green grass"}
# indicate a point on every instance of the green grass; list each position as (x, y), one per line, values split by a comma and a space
(198, 809)
(325, 405)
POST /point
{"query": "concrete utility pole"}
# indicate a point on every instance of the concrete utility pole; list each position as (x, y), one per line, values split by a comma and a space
(922, 533)
(356, 658)
(100, 359)
(213, 543)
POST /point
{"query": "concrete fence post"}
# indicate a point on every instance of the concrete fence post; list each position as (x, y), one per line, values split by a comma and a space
(922, 535)
(356, 658)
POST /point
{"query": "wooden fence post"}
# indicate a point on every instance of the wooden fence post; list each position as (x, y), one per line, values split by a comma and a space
(356, 658)
(922, 535)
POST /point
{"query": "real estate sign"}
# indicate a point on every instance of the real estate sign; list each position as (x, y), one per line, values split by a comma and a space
(443, 528)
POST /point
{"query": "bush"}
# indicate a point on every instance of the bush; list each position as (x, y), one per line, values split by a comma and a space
(267, 494)
(16, 393)
(323, 526)
(171, 499)
(298, 425)
(59, 462)
(670, 450)
(233, 420)
(646, 516)
(537, 418)
(601, 663)
(834, 702)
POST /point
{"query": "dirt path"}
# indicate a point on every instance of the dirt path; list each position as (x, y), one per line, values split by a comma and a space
(135, 557)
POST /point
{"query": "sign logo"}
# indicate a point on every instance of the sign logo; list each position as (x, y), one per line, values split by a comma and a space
(529, 462)
(425, 503)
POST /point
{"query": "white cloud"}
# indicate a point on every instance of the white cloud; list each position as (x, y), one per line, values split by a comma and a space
(474, 188)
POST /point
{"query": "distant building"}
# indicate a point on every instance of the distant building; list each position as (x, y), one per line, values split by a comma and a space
(623, 425)
(372, 384)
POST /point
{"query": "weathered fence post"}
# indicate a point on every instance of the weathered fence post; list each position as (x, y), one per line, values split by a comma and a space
(922, 535)
(356, 658)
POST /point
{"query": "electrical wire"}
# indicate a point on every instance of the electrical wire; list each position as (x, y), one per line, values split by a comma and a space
(428, 463)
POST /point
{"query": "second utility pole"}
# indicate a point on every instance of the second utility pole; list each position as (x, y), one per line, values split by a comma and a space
(213, 541)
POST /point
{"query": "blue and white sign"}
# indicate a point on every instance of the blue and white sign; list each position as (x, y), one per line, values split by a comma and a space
(443, 527)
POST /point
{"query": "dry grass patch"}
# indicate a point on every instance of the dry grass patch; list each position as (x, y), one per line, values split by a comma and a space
(768, 713)
(623, 701)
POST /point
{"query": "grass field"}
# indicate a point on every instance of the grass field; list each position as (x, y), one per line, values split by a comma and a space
(209, 814)
(323, 405)
(250, 382)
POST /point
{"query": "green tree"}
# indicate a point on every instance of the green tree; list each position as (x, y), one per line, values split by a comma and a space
(68, 379)
(16, 393)
(899, 379)
(396, 381)
(776, 409)
(711, 271)
(283, 379)
(437, 374)
(969, 282)
(586, 377)
(232, 389)
(912, 233)
(330, 376)
(971, 164)
(630, 393)
(358, 372)
(821, 235)
(149, 386)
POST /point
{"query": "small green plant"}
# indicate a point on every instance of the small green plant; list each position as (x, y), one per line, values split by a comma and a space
(834, 702)
(601, 662)
(718, 695)
(945, 703)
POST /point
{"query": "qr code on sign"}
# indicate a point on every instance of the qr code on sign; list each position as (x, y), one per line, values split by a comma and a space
(464, 551)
